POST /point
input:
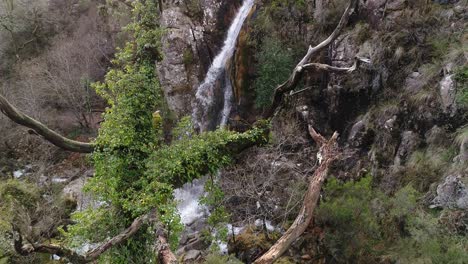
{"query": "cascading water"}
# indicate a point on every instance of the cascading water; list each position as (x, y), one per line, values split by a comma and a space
(213, 99)
(212, 106)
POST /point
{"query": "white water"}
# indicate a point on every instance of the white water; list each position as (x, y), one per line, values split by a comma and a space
(188, 197)
(205, 114)
(206, 95)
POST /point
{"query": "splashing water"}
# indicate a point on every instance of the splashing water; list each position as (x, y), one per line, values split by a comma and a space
(188, 197)
(208, 99)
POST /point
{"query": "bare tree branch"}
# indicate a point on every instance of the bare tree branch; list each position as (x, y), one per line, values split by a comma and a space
(165, 254)
(53, 137)
(296, 75)
(328, 153)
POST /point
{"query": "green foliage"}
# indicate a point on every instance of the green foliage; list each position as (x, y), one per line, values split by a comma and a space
(17, 201)
(429, 242)
(187, 57)
(426, 167)
(351, 227)
(274, 66)
(363, 225)
(461, 77)
(219, 259)
(185, 160)
(184, 129)
(219, 217)
(439, 47)
(126, 139)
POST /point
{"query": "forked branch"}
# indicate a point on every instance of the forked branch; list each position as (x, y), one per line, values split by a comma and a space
(296, 75)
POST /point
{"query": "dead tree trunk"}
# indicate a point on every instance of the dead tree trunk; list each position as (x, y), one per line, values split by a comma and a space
(165, 254)
(328, 148)
(53, 137)
(296, 75)
(328, 153)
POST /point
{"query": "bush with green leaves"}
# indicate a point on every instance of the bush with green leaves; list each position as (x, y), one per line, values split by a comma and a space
(126, 139)
(363, 225)
(274, 66)
(461, 77)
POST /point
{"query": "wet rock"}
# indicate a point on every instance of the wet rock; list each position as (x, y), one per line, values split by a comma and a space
(463, 155)
(192, 255)
(74, 191)
(445, 2)
(359, 134)
(414, 82)
(178, 73)
(436, 136)
(448, 91)
(196, 243)
(409, 142)
(452, 193)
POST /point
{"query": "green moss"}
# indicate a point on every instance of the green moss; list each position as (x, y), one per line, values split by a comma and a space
(187, 57)
(461, 77)
(218, 259)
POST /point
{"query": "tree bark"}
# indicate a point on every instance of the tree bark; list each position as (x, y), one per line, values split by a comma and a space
(328, 153)
(165, 254)
(296, 75)
(53, 137)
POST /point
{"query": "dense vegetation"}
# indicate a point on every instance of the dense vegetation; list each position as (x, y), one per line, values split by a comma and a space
(377, 205)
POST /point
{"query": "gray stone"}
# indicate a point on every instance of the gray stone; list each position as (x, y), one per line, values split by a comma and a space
(436, 136)
(452, 193)
(357, 133)
(179, 48)
(463, 154)
(414, 82)
(192, 255)
(448, 91)
(197, 244)
(409, 142)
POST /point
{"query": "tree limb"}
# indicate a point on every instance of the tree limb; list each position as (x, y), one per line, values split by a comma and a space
(296, 75)
(53, 137)
(164, 252)
(328, 153)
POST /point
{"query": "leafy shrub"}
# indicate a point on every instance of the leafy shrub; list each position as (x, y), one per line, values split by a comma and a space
(218, 259)
(426, 167)
(461, 76)
(363, 225)
(274, 66)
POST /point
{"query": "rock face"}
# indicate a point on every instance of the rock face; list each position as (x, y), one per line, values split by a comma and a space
(452, 193)
(177, 72)
(194, 33)
(447, 94)
(409, 143)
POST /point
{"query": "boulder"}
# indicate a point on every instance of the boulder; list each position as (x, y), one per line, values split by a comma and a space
(436, 136)
(409, 142)
(448, 91)
(452, 192)
(192, 255)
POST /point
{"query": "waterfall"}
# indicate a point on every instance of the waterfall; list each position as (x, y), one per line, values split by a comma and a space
(213, 98)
